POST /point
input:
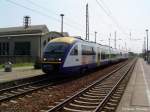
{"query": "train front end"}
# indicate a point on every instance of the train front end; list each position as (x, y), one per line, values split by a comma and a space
(55, 53)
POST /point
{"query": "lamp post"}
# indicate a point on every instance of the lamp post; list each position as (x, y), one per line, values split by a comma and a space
(95, 36)
(147, 43)
(109, 45)
(62, 15)
(144, 48)
(115, 40)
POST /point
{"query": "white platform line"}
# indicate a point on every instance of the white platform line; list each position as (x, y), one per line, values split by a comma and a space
(146, 84)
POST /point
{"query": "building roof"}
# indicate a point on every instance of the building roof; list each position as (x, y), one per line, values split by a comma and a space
(22, 30)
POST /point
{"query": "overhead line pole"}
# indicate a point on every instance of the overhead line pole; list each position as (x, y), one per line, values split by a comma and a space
(115, 39)
(87, 23)
(147, 43)
(144, 48)
(130, 35)
(109, 46)
(95, 36)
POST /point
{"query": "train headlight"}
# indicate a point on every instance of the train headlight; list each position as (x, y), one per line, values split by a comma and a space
(44, 59)
(59, 59)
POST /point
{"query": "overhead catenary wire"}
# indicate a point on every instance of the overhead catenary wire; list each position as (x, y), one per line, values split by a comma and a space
(50, 11)
(43, 14)
(47, 15)
(74, 23)
(109, 14)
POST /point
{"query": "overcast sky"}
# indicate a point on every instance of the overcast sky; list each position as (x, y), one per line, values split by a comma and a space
(106, 16)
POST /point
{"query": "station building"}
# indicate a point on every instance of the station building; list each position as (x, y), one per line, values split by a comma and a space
(24, 44)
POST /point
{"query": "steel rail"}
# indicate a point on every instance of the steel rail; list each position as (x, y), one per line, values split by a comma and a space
(21, 85)
(24, 93)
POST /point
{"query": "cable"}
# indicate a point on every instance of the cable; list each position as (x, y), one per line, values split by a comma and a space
(33, 10)
(109, 14)
(45, 9)
(45, 15)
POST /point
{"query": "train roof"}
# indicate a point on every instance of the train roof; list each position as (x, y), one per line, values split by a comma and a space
(68, 40)
(71, 40)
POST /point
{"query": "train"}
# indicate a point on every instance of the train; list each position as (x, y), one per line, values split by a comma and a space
(73, 54)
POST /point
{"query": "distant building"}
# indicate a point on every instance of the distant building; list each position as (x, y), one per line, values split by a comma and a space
(24, 42)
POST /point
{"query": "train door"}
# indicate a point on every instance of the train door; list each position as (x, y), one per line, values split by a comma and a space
(98, 56)
(73, 57)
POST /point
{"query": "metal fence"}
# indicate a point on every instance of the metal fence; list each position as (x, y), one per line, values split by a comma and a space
(17, 59)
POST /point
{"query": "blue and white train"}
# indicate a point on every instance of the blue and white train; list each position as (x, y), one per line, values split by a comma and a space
(72, 54)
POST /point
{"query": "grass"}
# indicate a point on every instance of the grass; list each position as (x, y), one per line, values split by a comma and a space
(18, 65)
(22, 64)
(1, 66)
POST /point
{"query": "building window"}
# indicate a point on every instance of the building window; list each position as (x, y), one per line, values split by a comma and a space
(22, 48)
(49, 39)
(4, 48)
(44, 43)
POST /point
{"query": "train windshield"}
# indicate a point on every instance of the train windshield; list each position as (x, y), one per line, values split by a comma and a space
(56, 49)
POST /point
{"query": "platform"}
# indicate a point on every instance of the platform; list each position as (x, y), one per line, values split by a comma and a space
(19, 73)
(137, 94)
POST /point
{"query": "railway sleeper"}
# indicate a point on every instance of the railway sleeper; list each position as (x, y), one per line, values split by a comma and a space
(76, 105)
(27, 88)
(83, 105)
(92, 96)
(111, 104)
(85, 102)
(1, 97)
(8, 94)
(100, 91)
(115, 97)
(22, 90)
(32, 87)
(90, 99)
(67, 109)
(15, 92)
(100, 94)
(109, 109)
(104, 84)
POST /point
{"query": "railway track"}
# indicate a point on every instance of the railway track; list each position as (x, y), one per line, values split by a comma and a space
(27, 88)
(101, 96)
(23, 89)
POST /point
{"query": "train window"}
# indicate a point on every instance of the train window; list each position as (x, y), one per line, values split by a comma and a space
(87, 50)
(56, 48)
(93, 51)
(103, 55)
(74, 51)
(121, 53)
